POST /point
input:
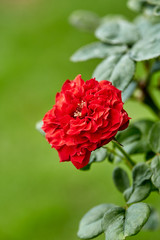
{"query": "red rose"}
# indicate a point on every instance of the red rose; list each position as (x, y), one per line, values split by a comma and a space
(86, 116)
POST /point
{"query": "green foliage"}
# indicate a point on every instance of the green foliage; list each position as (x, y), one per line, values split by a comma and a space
(121, 179)
(97, 50)
(153, 221)
(116, 222)
(84, 20)
(117, 31)
(154, 137)
(118, 70)
(91, 224)
(98, 155)
(155, 166)
(148, 7)
(141, 186)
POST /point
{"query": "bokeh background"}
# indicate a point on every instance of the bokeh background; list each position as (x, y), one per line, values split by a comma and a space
(41, 199)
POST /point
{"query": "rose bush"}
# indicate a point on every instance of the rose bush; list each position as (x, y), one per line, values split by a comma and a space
(86, 116)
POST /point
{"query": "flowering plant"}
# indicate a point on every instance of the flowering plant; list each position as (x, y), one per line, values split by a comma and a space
(88, 115)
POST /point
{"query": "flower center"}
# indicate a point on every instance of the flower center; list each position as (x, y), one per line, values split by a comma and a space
(78, 112)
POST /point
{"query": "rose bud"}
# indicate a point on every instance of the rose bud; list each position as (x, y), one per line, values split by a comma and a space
(86, 116)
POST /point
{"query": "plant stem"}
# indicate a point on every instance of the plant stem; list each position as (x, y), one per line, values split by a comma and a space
(130, 163)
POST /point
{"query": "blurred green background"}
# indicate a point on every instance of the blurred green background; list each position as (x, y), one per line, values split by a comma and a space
(39, 197)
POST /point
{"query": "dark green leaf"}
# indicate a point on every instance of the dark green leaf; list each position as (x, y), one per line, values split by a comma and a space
(96, 50)
(154, 137)
(153, 222)
(119, 224)
(84, 20)
(117, 70)
(38, 127)
(129, 135)
(121, 179)
(155, 67)
(135, 218)
(140, 173)
(127, 193)
(113, 223)
(127, 93)
(111, 157)
(141, 145)
(117, 32)
(90, 225)
(155, 166)
(140, 192)
(149, 155)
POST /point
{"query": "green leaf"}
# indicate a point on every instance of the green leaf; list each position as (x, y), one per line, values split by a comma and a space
(155, 166)
(129, 135)
(140, 145)
(142, 186)
(135, 218)
(121, 179)
(118, 70)
(149, 46)
(157, 11)
(153, 222)
(98, 155)
(154, 137)
(135, 5)
(104, 70)
(140, 173)
(149, 10)
(139, 193)
(123, 72)
(127, 93)
(113, 223)
(96, 50)
(127, 193)
(84, 20)
(117, 31)
(38, 127)
(155, 67)
(90, 225)
(154, 2)
(143, 24)
(119, 224)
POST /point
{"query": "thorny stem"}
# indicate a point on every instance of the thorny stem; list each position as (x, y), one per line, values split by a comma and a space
(129, 162)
